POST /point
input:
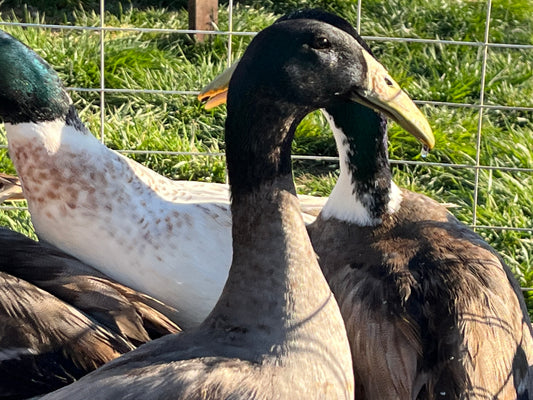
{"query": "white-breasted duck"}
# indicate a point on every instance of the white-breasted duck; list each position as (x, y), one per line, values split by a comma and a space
(112, 213)
(60, 319)
(276, 331)
(431, 310)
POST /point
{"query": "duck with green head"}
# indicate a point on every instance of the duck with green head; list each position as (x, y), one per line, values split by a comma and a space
(59, 318)
(107, 210)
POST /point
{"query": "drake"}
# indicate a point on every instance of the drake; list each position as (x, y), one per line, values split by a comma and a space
(110, 212)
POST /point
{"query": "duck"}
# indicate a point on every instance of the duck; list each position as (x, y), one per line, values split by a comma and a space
(431, 310)
(107, 210)
(276, 331)
(10, 188)
(61, 319)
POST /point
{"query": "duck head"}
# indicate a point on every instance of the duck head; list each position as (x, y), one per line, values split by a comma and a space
(304, 65)
(30, 90)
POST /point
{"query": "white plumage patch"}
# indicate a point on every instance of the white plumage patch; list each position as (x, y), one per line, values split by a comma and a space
(395, 198)
(343, 203)
(169, 239)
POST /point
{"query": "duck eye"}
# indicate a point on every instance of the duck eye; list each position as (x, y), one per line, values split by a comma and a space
(388, 82)
(321, 43)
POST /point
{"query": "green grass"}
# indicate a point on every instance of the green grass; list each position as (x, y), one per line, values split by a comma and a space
(442, 72)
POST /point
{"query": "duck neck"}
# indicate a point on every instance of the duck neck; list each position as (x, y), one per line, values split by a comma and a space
(268, 288)
(258, 147)
(364, 192)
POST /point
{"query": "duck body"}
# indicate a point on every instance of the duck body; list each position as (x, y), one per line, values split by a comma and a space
(276, 331)
(430, 308)
(60, 319)
(122, 218)
(225, 358)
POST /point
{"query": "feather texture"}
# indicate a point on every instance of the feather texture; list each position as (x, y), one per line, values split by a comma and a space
(428, 305)
(60, 319)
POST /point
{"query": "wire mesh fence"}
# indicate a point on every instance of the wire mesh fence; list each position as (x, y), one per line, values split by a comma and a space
(106, 28)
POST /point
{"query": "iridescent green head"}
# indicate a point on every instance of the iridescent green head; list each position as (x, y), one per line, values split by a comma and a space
(30, 90)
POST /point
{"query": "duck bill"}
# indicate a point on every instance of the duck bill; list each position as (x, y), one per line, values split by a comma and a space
(214, 98)
(216, 92)
(383, 94)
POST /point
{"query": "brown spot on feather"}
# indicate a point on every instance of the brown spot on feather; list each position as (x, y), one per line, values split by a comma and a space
(52, 195)
(42, 175)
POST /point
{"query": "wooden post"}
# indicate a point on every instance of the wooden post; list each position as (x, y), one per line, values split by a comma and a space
(203, 14)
